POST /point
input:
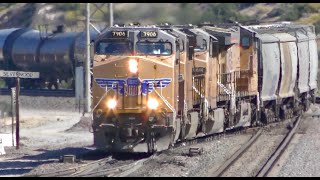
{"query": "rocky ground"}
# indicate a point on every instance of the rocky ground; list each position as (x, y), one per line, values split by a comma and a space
(179, 163)
(215, 153)
(49, 128)
(301, 161)
(302, 158)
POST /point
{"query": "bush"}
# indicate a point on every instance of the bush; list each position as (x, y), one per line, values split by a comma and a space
(2, 83)
(317, 28)
(68, 6)
(223, 12)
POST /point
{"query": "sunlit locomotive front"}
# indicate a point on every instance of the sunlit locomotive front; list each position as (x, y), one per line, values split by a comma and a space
(134, 89)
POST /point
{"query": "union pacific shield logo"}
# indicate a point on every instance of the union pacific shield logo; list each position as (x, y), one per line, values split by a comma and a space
(133, 85)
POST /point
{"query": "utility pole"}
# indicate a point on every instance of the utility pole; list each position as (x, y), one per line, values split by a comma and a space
(111, 14)
(87, 63)
(17, 112)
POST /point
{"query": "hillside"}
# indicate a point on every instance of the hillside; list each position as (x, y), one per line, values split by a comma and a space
(72, 14)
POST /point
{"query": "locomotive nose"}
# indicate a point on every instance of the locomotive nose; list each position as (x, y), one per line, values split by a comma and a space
(133, 66)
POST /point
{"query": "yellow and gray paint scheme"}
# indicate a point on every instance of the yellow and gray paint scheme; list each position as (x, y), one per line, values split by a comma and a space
(134, 92)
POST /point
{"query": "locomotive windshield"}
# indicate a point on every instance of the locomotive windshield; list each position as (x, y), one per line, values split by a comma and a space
(114, 48)
(201, 45)
(154, 48)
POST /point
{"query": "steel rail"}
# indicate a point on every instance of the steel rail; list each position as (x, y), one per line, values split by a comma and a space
(227, 164)
(265, 169)
(70, 171)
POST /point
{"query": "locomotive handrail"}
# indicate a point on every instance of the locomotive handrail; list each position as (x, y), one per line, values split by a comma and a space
(164, 100)
(100, 100)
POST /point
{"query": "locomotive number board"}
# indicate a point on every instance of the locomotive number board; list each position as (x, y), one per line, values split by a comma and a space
(149, 34)
(119, 34)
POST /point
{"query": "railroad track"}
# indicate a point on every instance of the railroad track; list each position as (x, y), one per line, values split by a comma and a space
(96, 169)
(269, 164)
(227, 164)
(272, 159)
(42, 92)
(120, 171)
(70, 171)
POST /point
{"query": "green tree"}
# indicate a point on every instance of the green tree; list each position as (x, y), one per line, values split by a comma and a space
(223, 12)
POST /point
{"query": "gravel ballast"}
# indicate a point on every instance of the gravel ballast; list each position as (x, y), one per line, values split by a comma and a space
(177, 162)
(50, 127)
(304, 159)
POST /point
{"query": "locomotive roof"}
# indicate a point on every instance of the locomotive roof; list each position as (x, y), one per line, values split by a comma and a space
(225, 36)
(139, 28)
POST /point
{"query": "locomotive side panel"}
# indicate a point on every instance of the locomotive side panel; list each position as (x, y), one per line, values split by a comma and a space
(213, 64)
(228, 65)
(248, 82)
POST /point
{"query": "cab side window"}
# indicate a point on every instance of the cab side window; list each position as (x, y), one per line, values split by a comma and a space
(245, 42)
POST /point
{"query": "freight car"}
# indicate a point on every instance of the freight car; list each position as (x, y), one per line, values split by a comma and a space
(157, 85)
(54, 55)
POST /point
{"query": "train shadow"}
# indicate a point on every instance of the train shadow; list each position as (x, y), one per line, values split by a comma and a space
(22, 165)
(130, 156)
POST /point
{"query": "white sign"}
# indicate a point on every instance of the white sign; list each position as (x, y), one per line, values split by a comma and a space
(13, 95)
(7, 139)
(2, 152)
(19, 74)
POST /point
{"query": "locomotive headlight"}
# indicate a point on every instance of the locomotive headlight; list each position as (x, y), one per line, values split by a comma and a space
(133, 65)
(152, 103)
(112, 103)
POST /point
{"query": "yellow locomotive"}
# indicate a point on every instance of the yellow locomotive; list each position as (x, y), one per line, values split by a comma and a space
(135, 88)
(154, 86)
